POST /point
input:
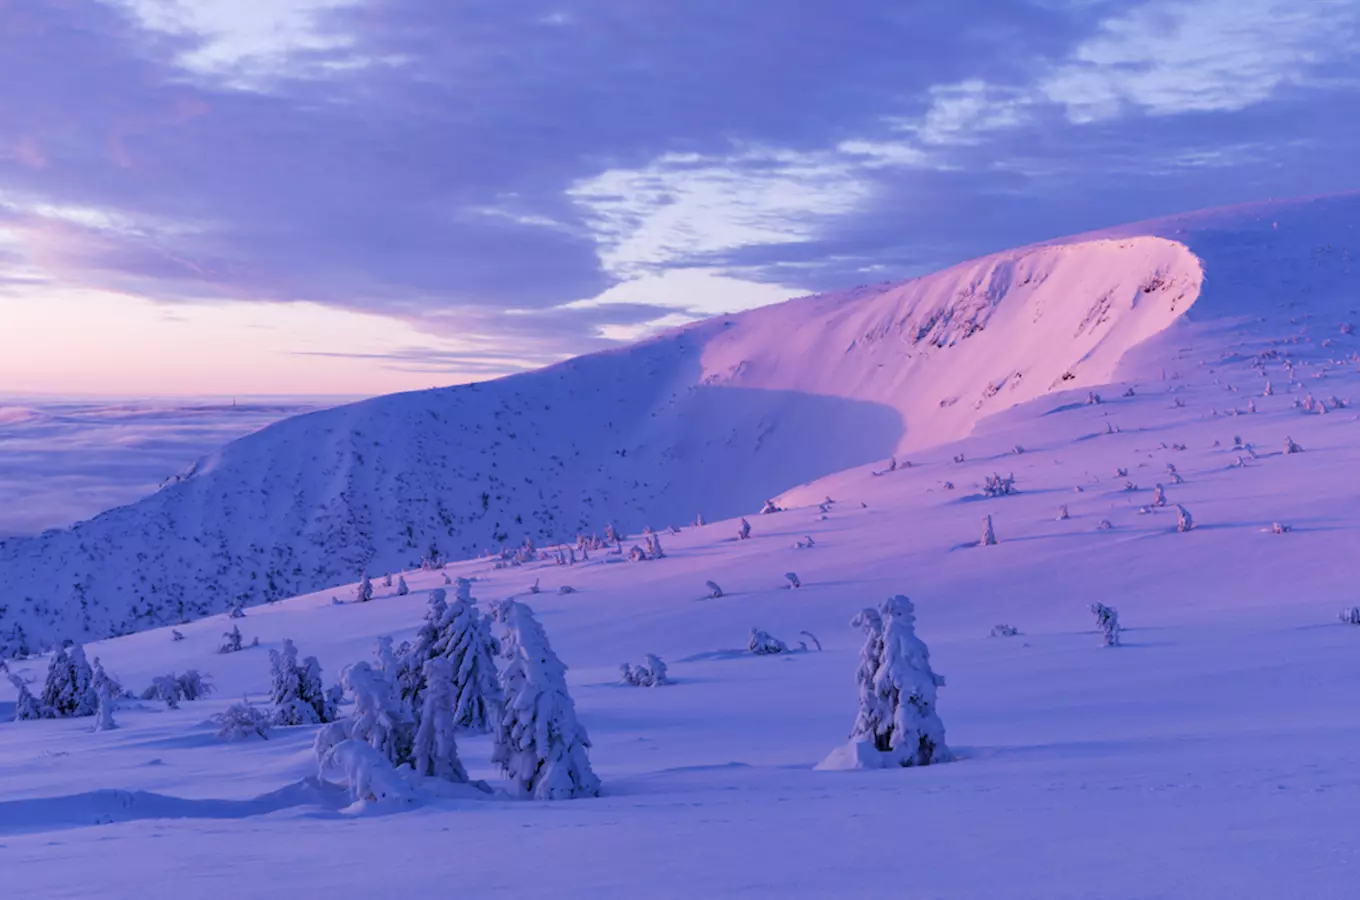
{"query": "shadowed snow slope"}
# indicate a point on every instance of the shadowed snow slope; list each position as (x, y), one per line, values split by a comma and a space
(713, 417)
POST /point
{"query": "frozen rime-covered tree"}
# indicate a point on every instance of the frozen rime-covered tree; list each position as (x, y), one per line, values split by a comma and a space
(462, 589)
(792, 578)
(1183, 521)
(26, 706)
(371, 776)
(897, 723)
(1158, 495)
(1062, 513)
(1350, 616)
(988, 535)
(386, 655)
(434, 750)
(402, 589)
(103, 715)
(714, 591)
(387, 580)
(1290, 446)
(364, 592)
(538, 742)
(762, 643)
(1107, 620)
(379, 720)
(744, 532)
(164, 688)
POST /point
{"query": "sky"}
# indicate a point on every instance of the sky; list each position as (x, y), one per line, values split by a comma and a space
(362, 196)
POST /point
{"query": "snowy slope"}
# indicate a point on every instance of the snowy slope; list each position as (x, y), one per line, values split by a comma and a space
(714, 417)
(1210, 757)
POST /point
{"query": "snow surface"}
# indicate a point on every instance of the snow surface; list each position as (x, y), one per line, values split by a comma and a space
(1210, 756)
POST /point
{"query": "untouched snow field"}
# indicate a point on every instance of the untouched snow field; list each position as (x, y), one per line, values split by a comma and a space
(1213, 755)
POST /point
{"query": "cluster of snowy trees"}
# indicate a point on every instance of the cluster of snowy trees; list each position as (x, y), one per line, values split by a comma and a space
(409, 708)
(650, 673)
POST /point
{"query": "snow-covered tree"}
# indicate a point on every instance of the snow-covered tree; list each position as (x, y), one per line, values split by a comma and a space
(460, 634)
(1158, 495)
(1290, 446)
(176, 635)
(699, 521)
(103, 715)
(1004, 631)
(1350, 616)
(1107, 620)
(237, 611)
(69, 689)
(364, 593)
(462, 589)
(380, 719)
(241, 721)
(386, 655)
(434, 751)
(988, 535)
(538, 742)
(897, 723)
(769, 507)
(995, 485)
(744, 532)
(762, 643)
(194, 685)
(402, 589)
(371, 776)
(297, 695)
(387, 580)
(164, 688)
(714, 591)
(26, 706)
(1062, 513)
(1183, 521)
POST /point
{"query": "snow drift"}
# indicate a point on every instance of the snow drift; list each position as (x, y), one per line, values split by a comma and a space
(717, 417)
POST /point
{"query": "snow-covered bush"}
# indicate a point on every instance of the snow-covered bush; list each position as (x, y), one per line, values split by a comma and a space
(237, 611)
(538, 742)
(1107, 620)
(364, 592)
(1004, 631)
(1183, 521)
(69, 689)
(762, 643)
(164, 688)
(897, 723)
(1158, 495)
(654, 550)
(231, 641)
(792, 578)
(370, 775)
(1349, 616)
(434, 751)
(744, 532)
(650, 673)
(714, 592)
(402, 589)
(1280, 528)
(176, 635)
(241, 721)
(1062, 513)
(769, 507)
(1290, 446)
(636, 554)
(988, 535)
(699, 521)
(297, 695)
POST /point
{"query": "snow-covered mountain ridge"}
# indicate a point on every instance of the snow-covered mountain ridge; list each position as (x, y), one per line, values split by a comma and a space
(713, 417)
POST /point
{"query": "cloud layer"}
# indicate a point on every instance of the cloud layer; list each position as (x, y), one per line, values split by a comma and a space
(538, 179)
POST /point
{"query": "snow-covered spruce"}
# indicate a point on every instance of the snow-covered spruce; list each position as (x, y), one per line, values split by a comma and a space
(769, 507)
(296, 694)
(792, 578)
(69, 689)
(1004, 631)
(460, 634)
(241, 721)
(650, 673)
(897, 724)
(714, 592)
(762, 643)
(1107, 620)
(538, 741)
(995, 485)
(164, 688)
(1062, 513)
(1349, 616)
(434, 752)
(231, 641)
(1290, 446)
(237, 612)
(1158, 495)
(402, 589)
(988, 535)
(364, 592)
(744, 532)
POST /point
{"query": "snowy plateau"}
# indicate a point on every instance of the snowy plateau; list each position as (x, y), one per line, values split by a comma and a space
(1162, 419)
